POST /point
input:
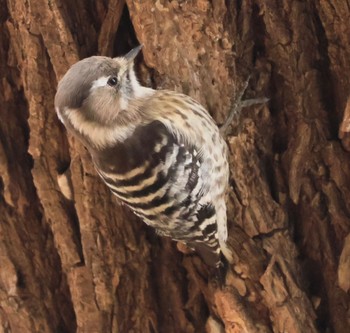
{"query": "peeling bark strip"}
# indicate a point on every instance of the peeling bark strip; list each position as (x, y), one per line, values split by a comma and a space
(73, 260)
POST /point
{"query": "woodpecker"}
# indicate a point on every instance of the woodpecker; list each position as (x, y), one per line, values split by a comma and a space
(159, 151)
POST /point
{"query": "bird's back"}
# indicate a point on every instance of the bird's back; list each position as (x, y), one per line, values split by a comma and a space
(172, 171)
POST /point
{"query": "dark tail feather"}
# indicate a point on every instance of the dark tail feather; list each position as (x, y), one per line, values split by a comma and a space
(211, 256)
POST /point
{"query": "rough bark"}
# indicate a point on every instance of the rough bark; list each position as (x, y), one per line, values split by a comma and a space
(72, 259)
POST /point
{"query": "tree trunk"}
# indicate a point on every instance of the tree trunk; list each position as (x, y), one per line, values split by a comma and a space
(73, 259)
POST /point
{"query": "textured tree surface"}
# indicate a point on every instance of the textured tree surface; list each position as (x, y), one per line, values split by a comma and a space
(72, 259)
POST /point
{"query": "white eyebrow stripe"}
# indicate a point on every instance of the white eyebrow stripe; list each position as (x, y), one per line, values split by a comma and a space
(100, 82)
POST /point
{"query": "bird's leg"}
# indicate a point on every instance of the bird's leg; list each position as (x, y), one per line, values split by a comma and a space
(237, 106)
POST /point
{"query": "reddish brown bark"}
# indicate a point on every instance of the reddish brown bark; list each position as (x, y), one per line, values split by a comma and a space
(72, 259)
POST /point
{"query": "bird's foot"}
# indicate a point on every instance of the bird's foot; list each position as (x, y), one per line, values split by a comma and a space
(238, 105)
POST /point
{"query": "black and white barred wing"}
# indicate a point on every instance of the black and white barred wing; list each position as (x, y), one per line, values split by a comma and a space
(162, 179)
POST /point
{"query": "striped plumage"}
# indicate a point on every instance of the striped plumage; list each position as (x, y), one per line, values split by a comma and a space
(158, 151)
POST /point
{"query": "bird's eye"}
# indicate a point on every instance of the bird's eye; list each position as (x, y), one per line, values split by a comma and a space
(112, 81)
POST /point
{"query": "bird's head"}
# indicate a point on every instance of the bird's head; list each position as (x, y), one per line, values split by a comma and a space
(96, 92)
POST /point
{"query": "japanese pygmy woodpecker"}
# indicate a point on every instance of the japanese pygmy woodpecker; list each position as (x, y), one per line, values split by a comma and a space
(158, 151)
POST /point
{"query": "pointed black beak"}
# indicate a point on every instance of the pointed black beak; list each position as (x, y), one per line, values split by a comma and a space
(131, 55)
